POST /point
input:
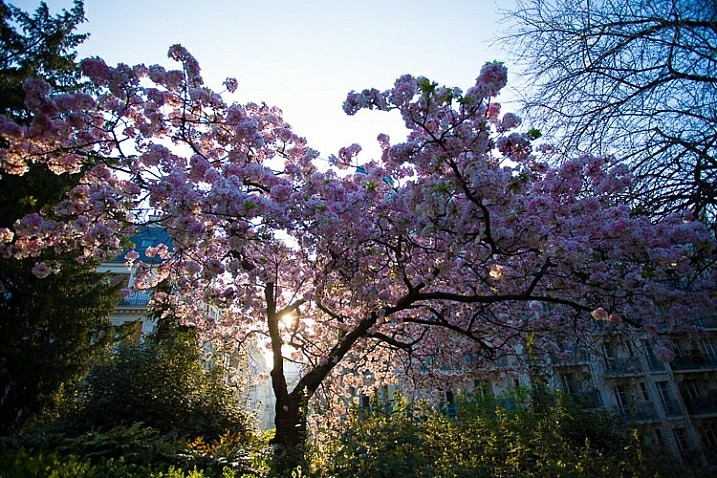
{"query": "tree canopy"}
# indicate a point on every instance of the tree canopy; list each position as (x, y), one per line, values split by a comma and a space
(459, 238)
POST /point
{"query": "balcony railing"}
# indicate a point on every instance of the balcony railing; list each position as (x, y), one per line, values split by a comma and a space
(638, 411)
(708, 322)
(616, 367)
(137, 298)
(702, 405)
(587, 399)
(672, 408)
(693, 362)
(570, 359)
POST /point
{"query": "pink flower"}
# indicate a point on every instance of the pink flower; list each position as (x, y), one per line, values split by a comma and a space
(41, 270)
(599, 314)
(96, 69)
(231, 84)
(510, 121)
(6, 235)
(493, 77)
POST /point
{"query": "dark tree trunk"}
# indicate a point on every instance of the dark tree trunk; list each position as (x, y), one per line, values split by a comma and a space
(290, 436)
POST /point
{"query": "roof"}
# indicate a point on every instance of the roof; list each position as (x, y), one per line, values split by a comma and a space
(148, 236)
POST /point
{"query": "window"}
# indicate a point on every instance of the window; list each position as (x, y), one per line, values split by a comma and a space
(622, 399)
(450, 404)
(670, 405)
(643, 392)
(484, 388)
(120, 279)
(609, 349)
(709, 436)
(651, 358)
(690, 389)
(708, 348)
(680, 435)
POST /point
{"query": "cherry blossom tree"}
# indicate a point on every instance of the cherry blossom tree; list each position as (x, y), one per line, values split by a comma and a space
(459, 238)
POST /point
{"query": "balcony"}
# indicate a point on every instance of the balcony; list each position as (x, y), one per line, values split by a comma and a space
(571, 359)
(622, 367)
(693, 362)
(136, 298)
(672, 408)
(637, 412)
(587, 399)
(702, 405)
(708, 322)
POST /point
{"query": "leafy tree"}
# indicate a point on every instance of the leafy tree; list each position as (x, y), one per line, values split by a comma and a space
(633, 79)
(50, 328)
(162, 383)
(457, 244)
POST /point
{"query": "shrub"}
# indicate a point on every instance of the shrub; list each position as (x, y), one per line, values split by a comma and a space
(161, 383)
(488, 439)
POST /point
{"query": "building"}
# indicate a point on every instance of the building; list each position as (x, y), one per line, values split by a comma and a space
(674, 405)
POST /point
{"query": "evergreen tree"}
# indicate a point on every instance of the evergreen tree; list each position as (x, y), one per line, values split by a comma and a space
(50, 328)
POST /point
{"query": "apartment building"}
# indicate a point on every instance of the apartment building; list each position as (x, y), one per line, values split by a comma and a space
(674, 405)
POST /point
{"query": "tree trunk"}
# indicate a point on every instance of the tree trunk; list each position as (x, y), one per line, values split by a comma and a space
(290, 434)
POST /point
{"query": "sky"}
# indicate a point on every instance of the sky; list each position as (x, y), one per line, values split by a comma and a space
(304, 56)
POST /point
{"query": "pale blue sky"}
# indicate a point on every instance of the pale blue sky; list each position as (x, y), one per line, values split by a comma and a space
(304, 55)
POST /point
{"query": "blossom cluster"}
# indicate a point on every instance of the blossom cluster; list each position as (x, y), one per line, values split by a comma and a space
(460, 237)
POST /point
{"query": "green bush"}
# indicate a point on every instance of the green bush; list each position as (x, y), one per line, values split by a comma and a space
(382, 444)
(147, 407)
(161, 383)
(20, 463)
(487, 439)
(129, 452)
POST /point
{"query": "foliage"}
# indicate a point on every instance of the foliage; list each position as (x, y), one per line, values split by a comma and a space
(23, 464)
(163, 384)
(39, 45)
(460, 238)
(50, 332)
(634, 79)
(486, 440)
(50, 329)
(136, 450)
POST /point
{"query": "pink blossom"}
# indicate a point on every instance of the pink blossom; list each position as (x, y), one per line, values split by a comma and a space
(41, 270)
(10, 128)
(231, 84)
(6, 235)
(599, 314)
(96, 69)
(132, 255)
(493, 77)
(510, 121)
